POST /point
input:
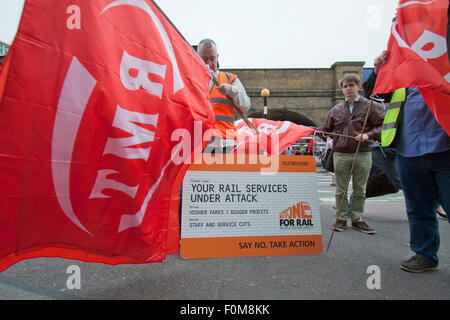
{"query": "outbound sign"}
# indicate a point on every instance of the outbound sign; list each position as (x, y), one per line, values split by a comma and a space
(233, 210)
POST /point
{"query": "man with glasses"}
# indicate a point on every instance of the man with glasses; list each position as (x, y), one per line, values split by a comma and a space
(229, 92)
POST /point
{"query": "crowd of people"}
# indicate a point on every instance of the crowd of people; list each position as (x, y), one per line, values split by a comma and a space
(419, 144)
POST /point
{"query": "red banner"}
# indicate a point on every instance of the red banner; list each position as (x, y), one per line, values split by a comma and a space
(417, 55)
(274, 136)
(93, 93)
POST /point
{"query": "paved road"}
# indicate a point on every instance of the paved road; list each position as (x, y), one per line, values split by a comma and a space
(340, 273)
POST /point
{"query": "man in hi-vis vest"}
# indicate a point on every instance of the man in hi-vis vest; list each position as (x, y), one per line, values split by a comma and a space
(223, 139)
(423, 161)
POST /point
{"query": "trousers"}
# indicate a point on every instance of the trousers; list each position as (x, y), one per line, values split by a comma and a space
(426, 184)
(342, 166)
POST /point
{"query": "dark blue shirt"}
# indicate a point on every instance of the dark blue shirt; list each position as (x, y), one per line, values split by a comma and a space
(420, 133)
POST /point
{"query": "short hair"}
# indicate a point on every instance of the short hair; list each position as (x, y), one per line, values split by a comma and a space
(207, 42)
(350, 77)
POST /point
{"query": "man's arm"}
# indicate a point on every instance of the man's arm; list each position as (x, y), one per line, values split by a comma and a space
(369, 84)
(328, 126)
(237, 93)
(375, 121)
(376, 118)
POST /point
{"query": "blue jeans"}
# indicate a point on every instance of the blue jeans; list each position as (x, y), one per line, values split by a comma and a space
(425, 183)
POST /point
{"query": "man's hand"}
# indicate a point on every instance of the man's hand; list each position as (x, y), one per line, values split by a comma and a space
(362, 137)
(225, 89)
(379, 61)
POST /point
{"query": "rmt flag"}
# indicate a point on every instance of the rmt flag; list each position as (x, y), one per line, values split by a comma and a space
(417, 55)
(92, 92)
(273, 137)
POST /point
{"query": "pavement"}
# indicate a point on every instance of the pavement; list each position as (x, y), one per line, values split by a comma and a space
(356, 266)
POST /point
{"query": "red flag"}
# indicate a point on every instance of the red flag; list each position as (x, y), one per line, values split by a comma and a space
(448, 31)
(417, 52)
(274, 136)
(4, 69)
(93, 93)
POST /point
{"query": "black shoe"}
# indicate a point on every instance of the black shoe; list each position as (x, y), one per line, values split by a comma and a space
(416, 264)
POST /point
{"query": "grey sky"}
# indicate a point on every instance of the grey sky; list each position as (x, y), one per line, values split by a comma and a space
(269, 33)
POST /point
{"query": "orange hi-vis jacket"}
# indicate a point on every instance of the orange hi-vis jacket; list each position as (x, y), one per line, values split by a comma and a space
(223, 108)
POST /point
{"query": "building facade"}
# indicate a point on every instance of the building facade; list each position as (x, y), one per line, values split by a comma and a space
(302, 96)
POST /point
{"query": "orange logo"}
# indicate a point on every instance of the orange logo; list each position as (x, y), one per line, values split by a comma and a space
(301, 210)
(297, 215)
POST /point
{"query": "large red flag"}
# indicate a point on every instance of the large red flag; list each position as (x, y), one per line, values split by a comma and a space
(273, 137)
(417, 55)
(4, 69)
(93, 93)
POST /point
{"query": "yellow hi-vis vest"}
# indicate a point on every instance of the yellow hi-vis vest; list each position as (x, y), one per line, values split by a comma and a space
(391, 118)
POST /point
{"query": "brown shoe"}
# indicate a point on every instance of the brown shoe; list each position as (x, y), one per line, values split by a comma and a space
(416, 264)
(340, 225)
(363, 227)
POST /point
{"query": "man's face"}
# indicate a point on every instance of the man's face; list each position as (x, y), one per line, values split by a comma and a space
(209, 56)
(350, 90)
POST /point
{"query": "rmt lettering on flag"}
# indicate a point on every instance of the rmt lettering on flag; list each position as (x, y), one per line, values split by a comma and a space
(86, 118)
(418, 57)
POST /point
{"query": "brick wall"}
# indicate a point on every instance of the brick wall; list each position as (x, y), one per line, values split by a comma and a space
(309, 92)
